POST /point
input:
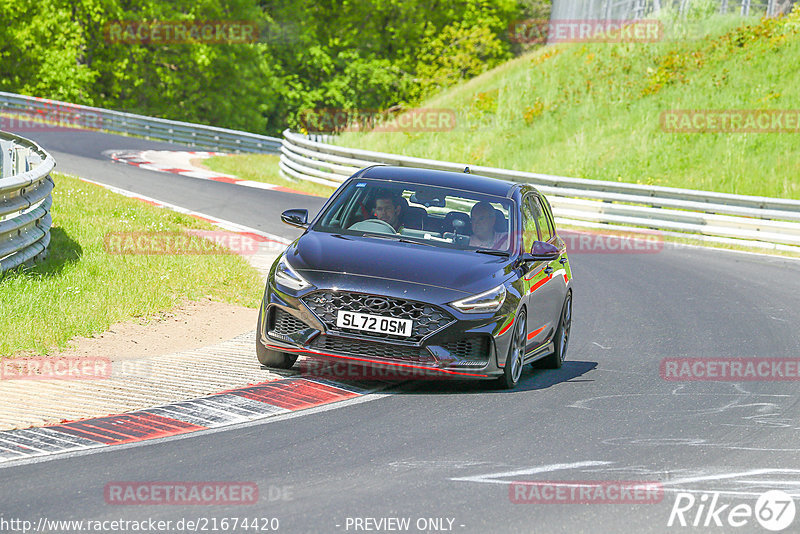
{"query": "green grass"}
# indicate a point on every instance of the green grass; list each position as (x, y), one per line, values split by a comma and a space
(592, 111)
(81, 289)
(263, 168)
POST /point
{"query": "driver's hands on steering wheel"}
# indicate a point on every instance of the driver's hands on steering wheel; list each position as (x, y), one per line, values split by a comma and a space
(373, 225)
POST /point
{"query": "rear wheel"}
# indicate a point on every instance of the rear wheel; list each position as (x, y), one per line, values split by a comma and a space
(561, 339)
(516, 354)
(269, 357)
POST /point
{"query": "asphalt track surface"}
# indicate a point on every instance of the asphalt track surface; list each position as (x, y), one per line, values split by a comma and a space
(450, 450)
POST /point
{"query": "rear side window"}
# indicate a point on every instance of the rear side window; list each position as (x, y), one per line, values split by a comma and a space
(535, 207)
(529, 225)
(549, 211)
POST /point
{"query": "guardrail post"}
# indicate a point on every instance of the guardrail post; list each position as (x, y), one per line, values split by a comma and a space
(6, 159)
(21, 160)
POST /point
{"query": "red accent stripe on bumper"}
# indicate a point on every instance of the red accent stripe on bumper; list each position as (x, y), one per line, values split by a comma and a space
(376, 362)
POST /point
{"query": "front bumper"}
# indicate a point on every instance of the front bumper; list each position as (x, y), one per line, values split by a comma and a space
(460, 346)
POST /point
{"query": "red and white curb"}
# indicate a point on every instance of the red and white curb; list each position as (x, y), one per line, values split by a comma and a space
(240, 405)
(180, 162)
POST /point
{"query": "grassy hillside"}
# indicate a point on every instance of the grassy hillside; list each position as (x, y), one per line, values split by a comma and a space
(592, 111)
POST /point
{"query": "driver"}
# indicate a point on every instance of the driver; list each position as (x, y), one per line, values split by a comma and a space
(483, 217)
(388, 209)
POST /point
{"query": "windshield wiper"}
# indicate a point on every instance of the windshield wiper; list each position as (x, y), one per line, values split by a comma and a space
(492, 252)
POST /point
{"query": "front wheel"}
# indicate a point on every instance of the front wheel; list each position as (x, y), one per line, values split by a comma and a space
(516, 355)
(269, 357)
(561, 340)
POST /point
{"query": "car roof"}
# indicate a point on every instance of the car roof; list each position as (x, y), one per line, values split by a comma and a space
(455, 180)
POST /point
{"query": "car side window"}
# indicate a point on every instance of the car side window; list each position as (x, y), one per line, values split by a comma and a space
(545, 231)
(549, 212)
(529, 230)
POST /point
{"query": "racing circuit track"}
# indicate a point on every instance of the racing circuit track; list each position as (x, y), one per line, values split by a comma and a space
(450, 449)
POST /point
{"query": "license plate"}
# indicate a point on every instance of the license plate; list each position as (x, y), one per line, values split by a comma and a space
(374, 323)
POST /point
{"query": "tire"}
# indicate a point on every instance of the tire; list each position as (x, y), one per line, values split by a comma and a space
(269, 357)
(561, 339)
(516, 354)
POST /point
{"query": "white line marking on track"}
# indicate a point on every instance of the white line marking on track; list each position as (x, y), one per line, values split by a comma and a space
(491, 478)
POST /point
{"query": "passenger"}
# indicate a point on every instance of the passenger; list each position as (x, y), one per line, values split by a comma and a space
(388, 209)
(483, 232)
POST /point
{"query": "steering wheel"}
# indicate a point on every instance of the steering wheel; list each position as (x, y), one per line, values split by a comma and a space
(373, 225)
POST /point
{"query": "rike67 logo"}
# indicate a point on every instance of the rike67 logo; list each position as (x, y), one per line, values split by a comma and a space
(774, 510)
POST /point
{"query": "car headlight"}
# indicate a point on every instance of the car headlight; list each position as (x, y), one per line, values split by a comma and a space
(488, 301)
(287, 277)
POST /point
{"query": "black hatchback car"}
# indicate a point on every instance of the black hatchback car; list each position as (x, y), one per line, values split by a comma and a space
(443, 273)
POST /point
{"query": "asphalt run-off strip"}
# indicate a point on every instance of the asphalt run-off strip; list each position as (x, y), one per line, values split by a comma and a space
(180, 162)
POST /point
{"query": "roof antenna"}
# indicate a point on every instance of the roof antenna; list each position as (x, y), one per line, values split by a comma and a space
(466, 170)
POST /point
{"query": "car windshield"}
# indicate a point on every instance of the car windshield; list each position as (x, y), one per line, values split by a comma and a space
(423, 214)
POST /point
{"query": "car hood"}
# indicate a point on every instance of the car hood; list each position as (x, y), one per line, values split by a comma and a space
(458, 270)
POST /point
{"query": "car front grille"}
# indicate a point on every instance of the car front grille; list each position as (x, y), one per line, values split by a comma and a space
(427, 318)
(369, 349)
(286, 324)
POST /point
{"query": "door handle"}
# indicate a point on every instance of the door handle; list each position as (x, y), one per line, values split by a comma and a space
(548, 270)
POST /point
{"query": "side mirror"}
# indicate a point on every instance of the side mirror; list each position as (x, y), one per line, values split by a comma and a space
(541, 251)
(298, 218)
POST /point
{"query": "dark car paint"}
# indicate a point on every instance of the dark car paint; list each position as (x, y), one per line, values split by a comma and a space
(464, 271)
(430, 274)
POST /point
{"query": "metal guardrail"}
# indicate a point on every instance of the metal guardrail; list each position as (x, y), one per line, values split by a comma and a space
(637, 9)
(25, 200)
(39, 112)
(761, 222)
